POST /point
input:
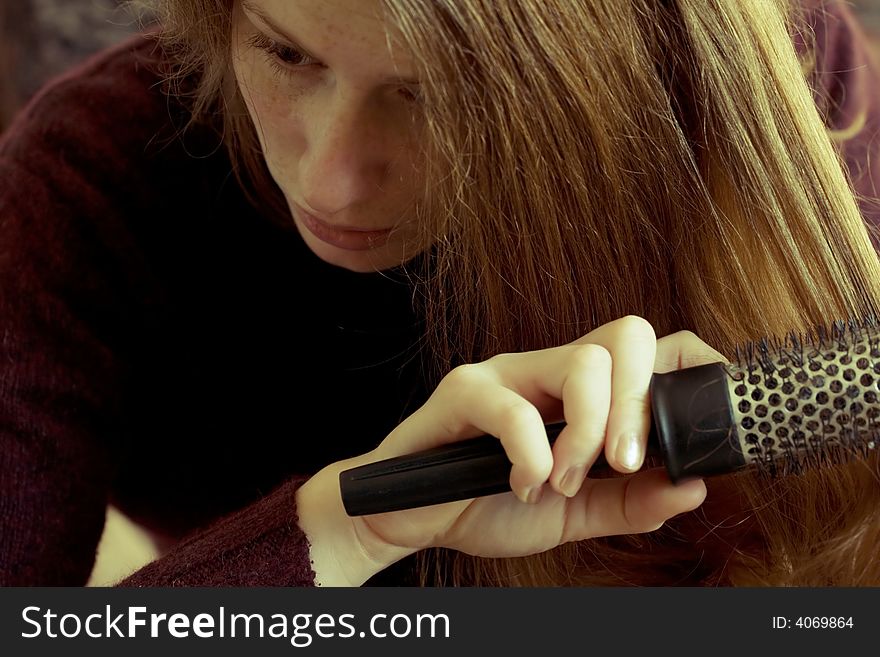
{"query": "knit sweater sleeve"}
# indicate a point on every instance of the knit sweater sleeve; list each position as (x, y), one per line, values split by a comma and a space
(55, 414)
(68, 301)
(261, 545)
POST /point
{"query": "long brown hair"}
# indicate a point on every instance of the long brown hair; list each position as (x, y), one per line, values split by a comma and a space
(590, 159)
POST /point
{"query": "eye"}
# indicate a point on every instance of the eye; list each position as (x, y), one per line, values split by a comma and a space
(279, 55)
(411, 94)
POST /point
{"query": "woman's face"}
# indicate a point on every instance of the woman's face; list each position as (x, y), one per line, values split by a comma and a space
(337, 118)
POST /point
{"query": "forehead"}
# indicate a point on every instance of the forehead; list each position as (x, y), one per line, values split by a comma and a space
(340, 33)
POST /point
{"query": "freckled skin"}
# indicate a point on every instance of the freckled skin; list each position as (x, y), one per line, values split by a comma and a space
(338, 136)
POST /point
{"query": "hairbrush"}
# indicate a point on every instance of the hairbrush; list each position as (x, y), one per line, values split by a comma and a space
(782, 406)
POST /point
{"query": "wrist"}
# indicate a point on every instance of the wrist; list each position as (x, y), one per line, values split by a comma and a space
(343, 549)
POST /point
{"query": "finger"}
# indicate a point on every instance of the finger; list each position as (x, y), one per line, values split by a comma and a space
(684, 349)
(586, 397)
(579, 375)
(632, 344)
(629, 505)
(491, 409)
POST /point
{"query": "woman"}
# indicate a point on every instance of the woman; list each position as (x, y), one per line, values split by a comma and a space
(446, 218)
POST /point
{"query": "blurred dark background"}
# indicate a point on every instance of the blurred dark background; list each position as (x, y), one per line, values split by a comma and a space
(41, 38)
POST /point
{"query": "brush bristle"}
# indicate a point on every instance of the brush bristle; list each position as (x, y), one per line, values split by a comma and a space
(816, 394)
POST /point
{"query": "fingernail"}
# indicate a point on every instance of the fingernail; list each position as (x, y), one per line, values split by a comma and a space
(571, 482)
(534, 494)
(629, 451)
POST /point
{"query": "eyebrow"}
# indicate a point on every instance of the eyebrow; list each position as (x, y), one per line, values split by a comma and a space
(273, 27)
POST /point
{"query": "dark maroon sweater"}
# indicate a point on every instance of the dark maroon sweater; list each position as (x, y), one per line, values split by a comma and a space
(167, 349)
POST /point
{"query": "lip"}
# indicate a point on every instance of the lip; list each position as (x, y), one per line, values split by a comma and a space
(350, 240)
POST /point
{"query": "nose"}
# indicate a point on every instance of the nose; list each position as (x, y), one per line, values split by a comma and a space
(346, 159)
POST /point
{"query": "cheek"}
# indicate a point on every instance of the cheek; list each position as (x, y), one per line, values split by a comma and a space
(275, 111)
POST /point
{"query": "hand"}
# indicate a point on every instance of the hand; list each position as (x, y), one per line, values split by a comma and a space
(599, 385)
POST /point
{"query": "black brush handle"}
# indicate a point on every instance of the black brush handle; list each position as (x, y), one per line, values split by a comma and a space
(690, 432)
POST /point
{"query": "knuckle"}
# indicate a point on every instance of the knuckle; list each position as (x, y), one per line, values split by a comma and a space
(629, 512)
(460, 384)
(462, 376)
(637, 402)
(519, 414)
(501, 362)
(635, 327)
(594, 433)
(589, 356)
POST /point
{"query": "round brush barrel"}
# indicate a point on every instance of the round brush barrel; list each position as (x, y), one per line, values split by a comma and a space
(803, 403)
